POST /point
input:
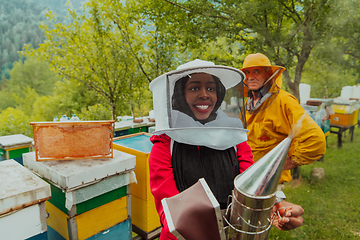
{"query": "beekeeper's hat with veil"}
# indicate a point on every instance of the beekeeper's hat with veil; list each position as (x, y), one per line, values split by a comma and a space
(219, 131)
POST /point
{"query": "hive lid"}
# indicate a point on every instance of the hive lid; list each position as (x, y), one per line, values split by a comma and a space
(340, 101)
(139, 142)
(311, 108)
(19, 187)
(326, 102)
(129, 124)
(123, 125)
(11, 140)
(72, 174)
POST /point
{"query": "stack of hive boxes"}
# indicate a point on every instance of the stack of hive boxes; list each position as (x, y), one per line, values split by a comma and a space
(346, 113)
(90, 192)
(22, 203)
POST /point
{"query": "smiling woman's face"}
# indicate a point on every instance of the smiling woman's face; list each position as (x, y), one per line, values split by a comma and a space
(200, 94)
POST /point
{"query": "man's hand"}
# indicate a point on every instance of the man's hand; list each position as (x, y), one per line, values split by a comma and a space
(292, 217)
(289, 164)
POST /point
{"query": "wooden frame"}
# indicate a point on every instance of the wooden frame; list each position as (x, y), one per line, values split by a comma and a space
(73, 140)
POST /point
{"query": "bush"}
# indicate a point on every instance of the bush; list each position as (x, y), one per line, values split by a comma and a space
(14, 121)
(95, 112)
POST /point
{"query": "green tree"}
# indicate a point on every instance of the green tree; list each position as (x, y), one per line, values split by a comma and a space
(3, 84)
(327, 80)
(345, 45)
(69, 98)
(14, 121)
(25, 102)
(104, 49)
(34, 74)
(6, 99)
(18, 19)
(87, 52)
(45, 108)
(284, 30)
(32, 77)
(95, 112)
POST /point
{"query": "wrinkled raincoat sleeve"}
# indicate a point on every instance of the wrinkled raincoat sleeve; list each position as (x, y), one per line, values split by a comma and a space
(309, 143)
(269, 127)
(162, 182)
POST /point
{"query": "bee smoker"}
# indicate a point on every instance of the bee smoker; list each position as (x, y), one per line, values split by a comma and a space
(249, 215)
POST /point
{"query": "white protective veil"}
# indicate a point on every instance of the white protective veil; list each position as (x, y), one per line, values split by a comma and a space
(223, 129)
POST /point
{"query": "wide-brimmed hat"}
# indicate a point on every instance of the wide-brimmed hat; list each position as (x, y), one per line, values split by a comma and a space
(228, 76)
(260, 60)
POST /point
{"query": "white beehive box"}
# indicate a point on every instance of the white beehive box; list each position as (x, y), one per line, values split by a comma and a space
(22, 196)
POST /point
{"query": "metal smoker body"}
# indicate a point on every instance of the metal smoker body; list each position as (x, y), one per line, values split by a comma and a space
(249, 216)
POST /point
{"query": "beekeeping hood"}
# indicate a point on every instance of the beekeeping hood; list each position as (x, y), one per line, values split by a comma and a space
(222, 129)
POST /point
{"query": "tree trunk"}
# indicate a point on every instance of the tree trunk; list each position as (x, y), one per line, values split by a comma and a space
(291, 85)
(302, 58)
(113, 111)
(132, 110)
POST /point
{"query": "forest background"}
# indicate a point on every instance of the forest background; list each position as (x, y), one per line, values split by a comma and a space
(96, 58)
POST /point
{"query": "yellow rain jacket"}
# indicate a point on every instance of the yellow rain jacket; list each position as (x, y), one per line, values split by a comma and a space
(272, 124)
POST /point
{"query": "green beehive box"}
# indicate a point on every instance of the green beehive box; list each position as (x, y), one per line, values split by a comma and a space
(13, 146)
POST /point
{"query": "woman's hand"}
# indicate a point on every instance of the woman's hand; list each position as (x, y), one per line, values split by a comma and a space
(291, 218)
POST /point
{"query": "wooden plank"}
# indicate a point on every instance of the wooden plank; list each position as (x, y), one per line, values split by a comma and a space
(15, 140)
(89, 223)
(132, 135)
(145, 235)
(18, 152)
(40, 236)
(121, 231)
(58, 200)
(144, 214)
(53, 235)
(142, 188)
(21, 224)
(70, 175)
(101, 218)
(101, 200)
(57, 220)
(71, 123)
(19, 187)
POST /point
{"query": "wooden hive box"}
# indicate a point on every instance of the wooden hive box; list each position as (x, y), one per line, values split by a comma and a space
(346, 114)
(13, 146)
(92, 197)
(22, 203)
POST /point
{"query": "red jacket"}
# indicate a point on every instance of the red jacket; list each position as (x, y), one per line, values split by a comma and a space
(162, 182)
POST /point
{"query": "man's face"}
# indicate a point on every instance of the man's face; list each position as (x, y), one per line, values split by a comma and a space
(255, 77)
(200, 94)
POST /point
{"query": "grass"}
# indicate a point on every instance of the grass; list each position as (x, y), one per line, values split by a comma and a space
(331, 204)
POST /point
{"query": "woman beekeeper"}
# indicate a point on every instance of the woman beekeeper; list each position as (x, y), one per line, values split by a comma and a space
(195, 139)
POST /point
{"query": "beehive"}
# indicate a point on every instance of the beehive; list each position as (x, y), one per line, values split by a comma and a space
(346, 113)
(91, 196)
(22, 202)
